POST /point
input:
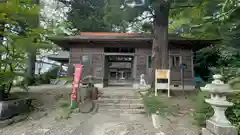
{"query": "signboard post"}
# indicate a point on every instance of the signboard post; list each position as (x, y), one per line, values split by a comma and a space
(77, 78)
(162, 80)
(182, 68)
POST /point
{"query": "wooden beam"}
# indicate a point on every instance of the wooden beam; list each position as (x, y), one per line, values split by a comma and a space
(120, 54)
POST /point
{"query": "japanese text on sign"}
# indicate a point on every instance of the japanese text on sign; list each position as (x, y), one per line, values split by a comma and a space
(162, 74)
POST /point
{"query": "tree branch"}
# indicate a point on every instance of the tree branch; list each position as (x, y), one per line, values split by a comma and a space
(184, 6)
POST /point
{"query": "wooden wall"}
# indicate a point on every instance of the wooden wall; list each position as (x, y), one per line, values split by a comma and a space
(185, 56)
(96, 66)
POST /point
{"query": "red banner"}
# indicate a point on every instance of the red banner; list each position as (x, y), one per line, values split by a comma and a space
(77, 78)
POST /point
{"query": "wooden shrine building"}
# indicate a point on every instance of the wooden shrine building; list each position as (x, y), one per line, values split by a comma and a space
(120, 58)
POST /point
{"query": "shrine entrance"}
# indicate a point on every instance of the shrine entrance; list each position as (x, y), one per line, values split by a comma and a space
(118, 69)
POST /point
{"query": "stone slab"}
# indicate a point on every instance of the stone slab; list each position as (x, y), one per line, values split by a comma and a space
(206, 132)
(217, 129)
(99, 85)
(12, 108)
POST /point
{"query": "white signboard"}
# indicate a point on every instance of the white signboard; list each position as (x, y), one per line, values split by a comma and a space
(162, 80)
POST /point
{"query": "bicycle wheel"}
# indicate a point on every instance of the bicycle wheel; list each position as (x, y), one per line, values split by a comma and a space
(86, 106)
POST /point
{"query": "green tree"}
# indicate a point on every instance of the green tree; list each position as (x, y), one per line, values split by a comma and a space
(19, 35)
(158, 12)
(87, 15)
(218, 20)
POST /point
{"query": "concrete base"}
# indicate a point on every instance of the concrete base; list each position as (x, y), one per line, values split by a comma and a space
(99, 85)
(212, 128)
(180, 87)
(206, 132)
(138, 86)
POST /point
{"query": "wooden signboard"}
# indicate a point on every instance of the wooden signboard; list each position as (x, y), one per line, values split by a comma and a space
(162, 80)
(162, 74)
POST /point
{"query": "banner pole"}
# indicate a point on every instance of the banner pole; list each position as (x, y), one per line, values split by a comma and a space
(77, 77)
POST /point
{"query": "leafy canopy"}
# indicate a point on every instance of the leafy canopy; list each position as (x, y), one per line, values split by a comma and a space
(20, 33)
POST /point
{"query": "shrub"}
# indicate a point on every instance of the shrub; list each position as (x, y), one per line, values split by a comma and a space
(233, 113)
(203, 111)
(45, 77)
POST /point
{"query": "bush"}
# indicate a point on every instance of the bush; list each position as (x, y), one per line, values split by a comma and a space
(204, 111)
(46, 77)
(233, 113)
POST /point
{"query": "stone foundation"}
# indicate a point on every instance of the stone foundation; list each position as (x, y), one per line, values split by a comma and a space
(212, 128)
(12, 108)
(98, 85)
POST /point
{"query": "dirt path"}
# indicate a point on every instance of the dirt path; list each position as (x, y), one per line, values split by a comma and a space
(44, 122)
(181, 122)
(116, 124)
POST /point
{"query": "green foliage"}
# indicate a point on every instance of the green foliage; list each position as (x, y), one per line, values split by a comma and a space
(64, 110)
(67, 78)
(46, 77)
(212, 20)
(65, 29)
(87, 15)
(233, 113)
(20, 34)
(203, 111)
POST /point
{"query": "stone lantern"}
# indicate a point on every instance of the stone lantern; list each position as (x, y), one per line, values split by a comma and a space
(218, 124)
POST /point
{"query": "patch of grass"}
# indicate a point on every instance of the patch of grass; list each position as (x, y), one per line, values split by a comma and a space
(67, 78)
(64, 110)
(203, 111)
(65, 113)
(158, 104)
(63, 103)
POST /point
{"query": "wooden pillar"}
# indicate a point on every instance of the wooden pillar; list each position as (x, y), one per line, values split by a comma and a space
(70, 69)
(134, 74)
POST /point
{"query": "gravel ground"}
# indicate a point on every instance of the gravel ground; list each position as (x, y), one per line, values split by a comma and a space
(46, 126)
(116, 124)
(43, 122)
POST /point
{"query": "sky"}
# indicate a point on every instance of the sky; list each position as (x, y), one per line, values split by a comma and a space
(52, 13)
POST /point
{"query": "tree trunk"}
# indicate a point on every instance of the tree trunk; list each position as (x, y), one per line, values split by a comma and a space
(160, 51)
(30, 78)
(2, 87)
(2, 92)
(31, 67)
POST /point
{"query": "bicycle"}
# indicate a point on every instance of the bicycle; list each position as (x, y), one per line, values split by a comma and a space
(87, 93)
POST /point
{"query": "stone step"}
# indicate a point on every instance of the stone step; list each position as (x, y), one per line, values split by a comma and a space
(121, 106)
(122, 111)
(118, 89)
(122, 97)
(120, 101)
